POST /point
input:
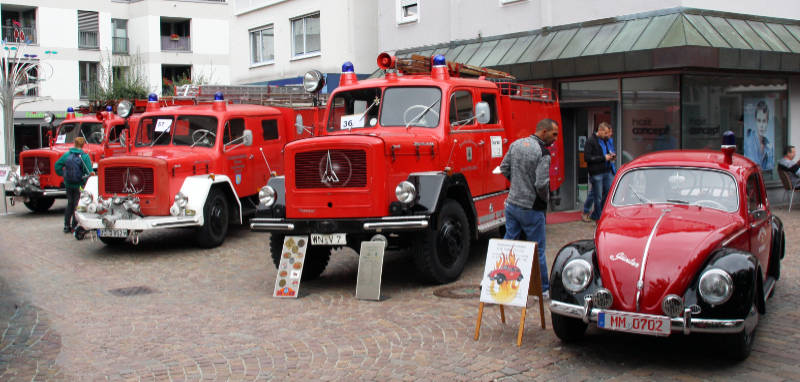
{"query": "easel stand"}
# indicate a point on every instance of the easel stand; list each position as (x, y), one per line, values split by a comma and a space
(535, 289)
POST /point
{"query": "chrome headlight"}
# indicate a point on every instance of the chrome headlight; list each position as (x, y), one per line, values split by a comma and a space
(86, 197)
(672, 305)
(181, 199)
(124, 109)
(105, 203)
(405, 192)
(603, 298)
(266, 196)
(576, 275)
(132, 205)
(716, 286)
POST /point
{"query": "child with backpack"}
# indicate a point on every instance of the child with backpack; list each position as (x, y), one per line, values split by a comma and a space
(75, 166)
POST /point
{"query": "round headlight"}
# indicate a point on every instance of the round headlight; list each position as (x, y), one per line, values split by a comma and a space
(672, 305)
(181, 200)
(405, 192)
(313, 81)
(124, 109)
(266, 196)
(716, 286)
(576, 275)
(86, 197)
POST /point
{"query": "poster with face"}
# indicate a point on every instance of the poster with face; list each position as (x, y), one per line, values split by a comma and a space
(759, 131)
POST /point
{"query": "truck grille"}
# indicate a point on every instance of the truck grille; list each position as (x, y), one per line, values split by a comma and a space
(30, 164)
(128, 180)
(330, 169)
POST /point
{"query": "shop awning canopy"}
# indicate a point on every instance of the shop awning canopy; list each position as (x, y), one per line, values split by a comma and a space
(670, 38)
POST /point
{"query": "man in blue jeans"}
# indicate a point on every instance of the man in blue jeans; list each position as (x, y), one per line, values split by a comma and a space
(527, 166)
(587, 205)
(600, 156)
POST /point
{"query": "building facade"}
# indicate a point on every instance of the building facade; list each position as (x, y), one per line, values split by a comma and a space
(667, 75)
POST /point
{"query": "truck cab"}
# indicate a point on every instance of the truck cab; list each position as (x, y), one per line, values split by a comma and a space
(408, 159)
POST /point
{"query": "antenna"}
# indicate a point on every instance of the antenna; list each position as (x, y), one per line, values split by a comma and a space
(265, 159)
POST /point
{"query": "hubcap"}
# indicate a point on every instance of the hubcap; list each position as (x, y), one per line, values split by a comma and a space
(450, 242)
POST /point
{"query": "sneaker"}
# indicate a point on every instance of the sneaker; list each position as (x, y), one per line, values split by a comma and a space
(67, 230)
(586, 218)
(546, 295)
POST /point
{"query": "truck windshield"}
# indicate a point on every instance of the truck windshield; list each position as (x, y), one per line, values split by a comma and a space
(91, 131)
(181, 130)
(687, 186)
(354, 109)
(399, 106)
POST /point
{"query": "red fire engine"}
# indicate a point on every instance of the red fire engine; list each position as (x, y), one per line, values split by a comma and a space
(407, 159)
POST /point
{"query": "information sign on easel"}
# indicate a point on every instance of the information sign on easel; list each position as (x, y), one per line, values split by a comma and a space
(511, 274)
(290, 268)
(370, 269)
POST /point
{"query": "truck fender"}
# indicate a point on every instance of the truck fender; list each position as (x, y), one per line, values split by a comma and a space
(197, 187)
(278, 183)
(434, 187)
(91, 186)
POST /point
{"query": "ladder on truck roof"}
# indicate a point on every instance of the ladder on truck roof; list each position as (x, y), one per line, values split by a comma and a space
(271, 95)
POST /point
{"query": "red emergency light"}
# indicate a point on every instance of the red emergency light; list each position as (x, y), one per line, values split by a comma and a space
(386, 61)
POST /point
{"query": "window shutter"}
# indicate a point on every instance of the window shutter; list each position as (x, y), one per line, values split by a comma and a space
(87, 21)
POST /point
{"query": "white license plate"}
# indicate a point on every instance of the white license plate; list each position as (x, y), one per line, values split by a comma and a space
(328, 239)
(112, 232)
(634, 323)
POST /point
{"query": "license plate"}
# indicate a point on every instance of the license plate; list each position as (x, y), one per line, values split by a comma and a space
(634, 323)
(112, 232)
(328, 239)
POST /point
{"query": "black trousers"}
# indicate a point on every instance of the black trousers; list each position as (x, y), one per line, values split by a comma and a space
(72, 201)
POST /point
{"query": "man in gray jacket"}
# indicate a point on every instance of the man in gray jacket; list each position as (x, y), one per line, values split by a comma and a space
(527, 166)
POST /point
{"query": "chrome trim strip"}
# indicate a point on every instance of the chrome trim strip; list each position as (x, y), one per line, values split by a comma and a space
(265, 220)
(256, 226)
(770, 286)
(487, 196)
(677, 325)
(640, 282)
(176, 223)
(396, 225)
(488, 226)
(456, 131)
(393, 218)
(54, 193)
(732, 238)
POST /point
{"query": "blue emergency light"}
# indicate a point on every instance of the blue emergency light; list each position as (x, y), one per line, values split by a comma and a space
(347, 67)
(728, 138)
(109, 108)
(439, 60)
(152, 97)
(218, 96)
(70, 110)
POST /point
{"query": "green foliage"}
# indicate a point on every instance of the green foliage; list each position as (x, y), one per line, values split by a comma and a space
(125, 80)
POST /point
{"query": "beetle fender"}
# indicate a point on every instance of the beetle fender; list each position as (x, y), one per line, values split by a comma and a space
(744, 270)
(197, 187)
(581, 249)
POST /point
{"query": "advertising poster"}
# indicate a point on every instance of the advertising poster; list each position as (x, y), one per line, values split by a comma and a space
(507, 274)
(290, 268)
(759, 131)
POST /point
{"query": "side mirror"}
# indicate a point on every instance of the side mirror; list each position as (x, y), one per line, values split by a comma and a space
(247, 136)
(482, 112)
(298, 124)
(122, 139)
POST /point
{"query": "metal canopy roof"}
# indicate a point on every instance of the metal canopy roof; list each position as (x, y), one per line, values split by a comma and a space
(670, 38)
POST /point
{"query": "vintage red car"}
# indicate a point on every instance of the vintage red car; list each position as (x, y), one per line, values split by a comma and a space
(505, 273)
(686, 244)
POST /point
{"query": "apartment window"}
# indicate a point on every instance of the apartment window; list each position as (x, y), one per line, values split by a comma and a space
(262, 45)
(407, 11)
(305, 32)
(119, 73)
(18, 24)
(119, 43)
(87, 72)
(87, 30)
(175, 34)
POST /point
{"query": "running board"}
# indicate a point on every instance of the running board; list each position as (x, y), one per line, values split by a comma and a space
(769, 286)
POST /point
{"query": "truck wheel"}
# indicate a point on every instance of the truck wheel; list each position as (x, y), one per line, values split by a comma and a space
(442, 250)
(567, 329)
(112, 241)
(215, 220)
(317, 257)
(39, 205)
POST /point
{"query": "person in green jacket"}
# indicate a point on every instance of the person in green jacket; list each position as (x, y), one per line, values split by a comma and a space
(73, 188)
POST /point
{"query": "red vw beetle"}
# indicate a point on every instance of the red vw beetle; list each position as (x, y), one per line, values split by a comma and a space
(686, 244)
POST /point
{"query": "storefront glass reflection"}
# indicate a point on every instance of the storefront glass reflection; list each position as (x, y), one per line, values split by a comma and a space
(650, 115)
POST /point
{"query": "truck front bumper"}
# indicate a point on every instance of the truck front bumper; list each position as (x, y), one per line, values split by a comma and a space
(90, 221)
(381, 224)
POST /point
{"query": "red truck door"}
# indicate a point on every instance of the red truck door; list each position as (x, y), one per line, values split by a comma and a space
(471, 140)
(237, 157)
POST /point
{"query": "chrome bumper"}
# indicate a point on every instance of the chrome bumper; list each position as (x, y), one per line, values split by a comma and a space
(390, 223)
(685, 324)
(92, 221)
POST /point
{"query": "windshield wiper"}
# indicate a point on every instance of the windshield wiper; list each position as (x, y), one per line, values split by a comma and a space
(158, 137)
(376, 101)
(641, 198)
(427, 109)
(677, 201)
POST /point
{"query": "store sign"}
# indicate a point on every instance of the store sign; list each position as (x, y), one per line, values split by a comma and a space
(40, 115)
(5, 171)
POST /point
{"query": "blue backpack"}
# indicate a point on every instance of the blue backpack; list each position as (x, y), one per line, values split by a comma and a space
(73, 169)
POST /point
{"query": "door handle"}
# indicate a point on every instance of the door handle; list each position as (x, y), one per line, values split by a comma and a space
(481, 143)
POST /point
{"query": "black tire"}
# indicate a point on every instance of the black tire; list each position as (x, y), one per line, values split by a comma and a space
(215, 220)
(567, 329)
(442, 250)
(39, 205)
(775, 260)
(500, 279)
(738, 346)
(317, 257)
(112, 241)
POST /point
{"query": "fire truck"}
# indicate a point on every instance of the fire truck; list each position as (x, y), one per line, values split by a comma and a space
(409, 159)
(36, 183)
(198, 167)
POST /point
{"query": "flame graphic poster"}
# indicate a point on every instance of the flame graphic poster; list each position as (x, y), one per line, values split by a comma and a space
(507, 273)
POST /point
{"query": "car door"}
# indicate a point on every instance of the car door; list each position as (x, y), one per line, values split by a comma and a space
(237, 156)
(468, 155)
(760, 230)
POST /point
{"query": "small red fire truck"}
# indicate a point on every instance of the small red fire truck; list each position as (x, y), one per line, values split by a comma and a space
(197, 166)
(36, 182)
(408, 159)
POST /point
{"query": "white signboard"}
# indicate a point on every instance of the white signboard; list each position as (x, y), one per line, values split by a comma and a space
(290, 268)
(497, 146)
(61, 138)
(507, 274)
(5, 171)
(352, 121)
(163, 125)
(370, 270)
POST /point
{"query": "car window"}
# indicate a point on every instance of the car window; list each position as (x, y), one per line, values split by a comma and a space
(114, 133)
(490, 99)
(461, 108)
(269, 129)
(234, 129)
(689, 186)
(754, 197)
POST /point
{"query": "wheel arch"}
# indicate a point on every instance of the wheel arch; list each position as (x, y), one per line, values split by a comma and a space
(197, 188)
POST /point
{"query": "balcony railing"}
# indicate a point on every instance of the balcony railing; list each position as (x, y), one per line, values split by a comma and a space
(12, 34)
(119, 45)
(88, 89)
(87, 40)
(178, 43)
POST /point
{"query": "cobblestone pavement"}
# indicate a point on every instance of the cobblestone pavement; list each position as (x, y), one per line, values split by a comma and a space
(210, 315)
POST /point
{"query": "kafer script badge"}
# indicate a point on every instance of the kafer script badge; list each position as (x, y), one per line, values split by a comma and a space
(622, 257)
